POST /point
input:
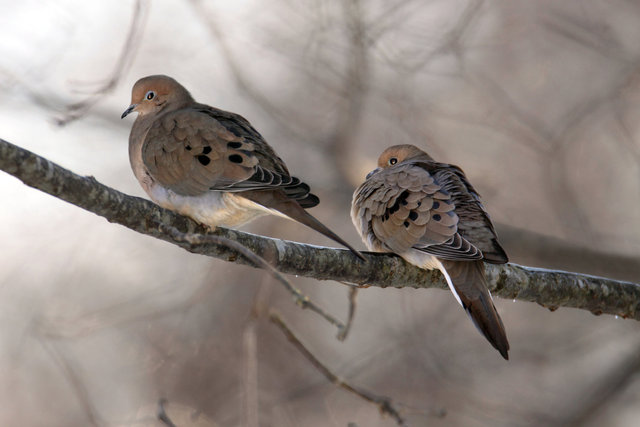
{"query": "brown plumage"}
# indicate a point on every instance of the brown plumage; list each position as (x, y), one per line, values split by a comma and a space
(429, 214)
(210, 164)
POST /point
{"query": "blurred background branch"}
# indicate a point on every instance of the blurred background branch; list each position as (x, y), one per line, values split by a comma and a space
(78, 109)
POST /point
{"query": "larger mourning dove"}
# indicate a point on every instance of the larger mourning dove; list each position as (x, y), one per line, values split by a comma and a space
(429, 214)
(209, 164)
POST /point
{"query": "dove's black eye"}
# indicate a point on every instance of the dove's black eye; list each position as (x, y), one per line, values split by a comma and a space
(150, 95)
(393, 161)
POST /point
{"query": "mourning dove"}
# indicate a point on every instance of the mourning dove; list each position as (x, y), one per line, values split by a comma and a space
(429, 214)
(210, 164)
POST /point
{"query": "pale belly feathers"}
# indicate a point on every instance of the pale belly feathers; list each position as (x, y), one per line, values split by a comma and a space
(214, 208)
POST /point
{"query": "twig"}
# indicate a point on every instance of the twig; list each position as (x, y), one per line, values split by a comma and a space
(162, 414)
(549, 288)
(353, 292)
(300, 299)
(384, 404)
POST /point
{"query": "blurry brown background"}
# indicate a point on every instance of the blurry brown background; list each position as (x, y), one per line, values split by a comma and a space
(537, 101)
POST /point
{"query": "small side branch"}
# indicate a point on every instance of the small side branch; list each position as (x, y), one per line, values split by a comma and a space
(162, 414)
(301, 300)
(549, 288)
(384, 404)
(342, 333)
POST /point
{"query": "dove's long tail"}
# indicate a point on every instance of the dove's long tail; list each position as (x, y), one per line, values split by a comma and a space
(278, 201)
(468, 282)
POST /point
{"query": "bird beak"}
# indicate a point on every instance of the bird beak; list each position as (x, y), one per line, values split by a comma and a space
(370, 174)
(128, 110)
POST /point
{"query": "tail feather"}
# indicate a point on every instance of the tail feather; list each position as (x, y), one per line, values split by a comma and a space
(469, 283)
(278, 200)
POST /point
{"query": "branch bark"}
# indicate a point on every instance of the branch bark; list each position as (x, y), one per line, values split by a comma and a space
(549, 288)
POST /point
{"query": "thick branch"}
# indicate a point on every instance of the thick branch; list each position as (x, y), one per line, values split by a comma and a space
(551, 289)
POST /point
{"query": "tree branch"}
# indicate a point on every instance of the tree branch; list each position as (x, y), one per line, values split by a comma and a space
(551, 289)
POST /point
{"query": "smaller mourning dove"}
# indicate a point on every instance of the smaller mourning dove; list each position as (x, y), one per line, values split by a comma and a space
(210, 164)
(429, 214)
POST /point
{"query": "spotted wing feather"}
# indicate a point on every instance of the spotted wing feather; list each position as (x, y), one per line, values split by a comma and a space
(475, 225)
(195, 150)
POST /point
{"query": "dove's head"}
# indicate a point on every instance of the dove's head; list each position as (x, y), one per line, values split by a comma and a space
(399, 153)
(153, 94)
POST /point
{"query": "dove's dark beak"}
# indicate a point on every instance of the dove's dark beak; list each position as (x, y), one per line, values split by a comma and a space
(128, 110)
(370, 174)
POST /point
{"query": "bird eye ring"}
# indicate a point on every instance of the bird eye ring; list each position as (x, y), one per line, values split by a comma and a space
(150, 95)
(393, 161)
